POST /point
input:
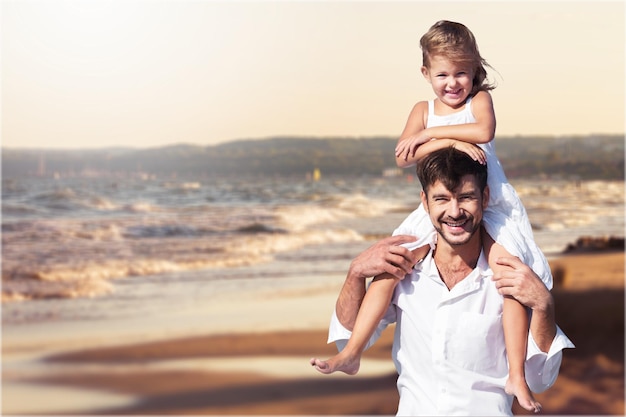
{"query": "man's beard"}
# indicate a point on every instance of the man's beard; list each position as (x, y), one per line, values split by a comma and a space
(450, 238)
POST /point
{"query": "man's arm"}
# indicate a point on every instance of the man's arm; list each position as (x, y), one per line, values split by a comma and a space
(522, 283)
(386, 256)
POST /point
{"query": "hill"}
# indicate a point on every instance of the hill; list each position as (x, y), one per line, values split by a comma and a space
(584, 157)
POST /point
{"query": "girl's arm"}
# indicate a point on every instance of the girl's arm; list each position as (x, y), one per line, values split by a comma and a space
(476, 153)
(416, 134)
(415, 125)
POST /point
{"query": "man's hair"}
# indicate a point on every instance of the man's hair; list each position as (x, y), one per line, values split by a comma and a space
(449, 165)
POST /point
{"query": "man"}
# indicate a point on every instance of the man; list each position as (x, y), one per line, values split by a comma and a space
(449, 346)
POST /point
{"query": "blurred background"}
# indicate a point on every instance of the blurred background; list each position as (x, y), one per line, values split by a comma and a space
(184, 184)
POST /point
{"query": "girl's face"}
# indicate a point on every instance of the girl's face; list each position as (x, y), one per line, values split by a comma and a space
(452, 83)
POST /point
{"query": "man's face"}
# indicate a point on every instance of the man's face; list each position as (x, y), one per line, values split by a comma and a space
(456, 214)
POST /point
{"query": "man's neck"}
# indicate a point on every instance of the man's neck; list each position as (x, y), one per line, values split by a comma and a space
(454, 263)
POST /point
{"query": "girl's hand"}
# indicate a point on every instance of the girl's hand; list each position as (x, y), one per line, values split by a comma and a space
(475, 152)
(408, 146)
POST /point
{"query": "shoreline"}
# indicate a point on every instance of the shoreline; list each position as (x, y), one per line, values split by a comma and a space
(254, 359)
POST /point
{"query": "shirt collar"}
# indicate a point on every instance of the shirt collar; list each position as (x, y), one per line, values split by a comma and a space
(482, 270)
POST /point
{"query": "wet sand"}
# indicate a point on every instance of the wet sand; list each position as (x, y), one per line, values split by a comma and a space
(266, 372)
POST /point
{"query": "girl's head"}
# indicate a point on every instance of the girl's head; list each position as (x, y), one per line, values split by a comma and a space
(455, 43)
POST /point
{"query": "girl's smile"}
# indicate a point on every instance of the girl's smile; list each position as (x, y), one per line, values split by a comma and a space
(452, 83)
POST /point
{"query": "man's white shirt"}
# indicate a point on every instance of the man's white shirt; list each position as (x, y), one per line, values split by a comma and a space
(449, 347)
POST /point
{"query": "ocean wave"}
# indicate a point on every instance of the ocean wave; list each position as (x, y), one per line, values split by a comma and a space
(57, 233)
(140, 207)
(30, 289)
(101, 203)
(272, 244)
(67, 199)
(105, 232)
(93, 278)
(332, 210)
(260, 228)
(82, 269)
(192, 185)
(108, 233)
(165, 230)
(59, 194)
(19, 210)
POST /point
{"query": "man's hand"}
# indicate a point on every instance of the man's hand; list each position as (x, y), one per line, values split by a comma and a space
(385, 256)
(522, 283)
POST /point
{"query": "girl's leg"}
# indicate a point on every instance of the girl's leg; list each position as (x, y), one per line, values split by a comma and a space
(515, 324)
(372, 310)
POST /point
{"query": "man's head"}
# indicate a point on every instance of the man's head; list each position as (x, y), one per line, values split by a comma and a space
(449, 165)
(454, 193)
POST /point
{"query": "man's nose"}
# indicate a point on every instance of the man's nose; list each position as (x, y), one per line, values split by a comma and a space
(454, 209)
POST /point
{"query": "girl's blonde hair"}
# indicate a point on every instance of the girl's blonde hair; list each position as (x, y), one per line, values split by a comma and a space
(457, 43)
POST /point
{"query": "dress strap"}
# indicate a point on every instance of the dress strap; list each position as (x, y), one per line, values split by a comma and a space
(431, 107)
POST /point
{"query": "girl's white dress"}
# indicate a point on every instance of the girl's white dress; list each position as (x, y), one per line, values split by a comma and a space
(505, 218)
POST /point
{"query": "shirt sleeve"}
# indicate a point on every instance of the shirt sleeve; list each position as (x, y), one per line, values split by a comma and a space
(542, 368)
(339, 334)
(419, 225)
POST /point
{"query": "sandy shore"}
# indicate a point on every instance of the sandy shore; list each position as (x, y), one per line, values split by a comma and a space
(266, 371)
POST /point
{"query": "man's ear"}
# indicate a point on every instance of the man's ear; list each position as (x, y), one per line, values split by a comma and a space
(485, 197)
(424, 200)
(426, 73)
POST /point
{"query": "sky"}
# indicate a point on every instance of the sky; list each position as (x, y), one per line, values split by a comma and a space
(142, 73)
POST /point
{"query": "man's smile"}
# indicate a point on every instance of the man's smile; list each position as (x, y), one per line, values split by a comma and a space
(456, 224)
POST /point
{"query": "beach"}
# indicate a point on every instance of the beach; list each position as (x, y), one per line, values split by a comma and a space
(198, 296)
(260, 366)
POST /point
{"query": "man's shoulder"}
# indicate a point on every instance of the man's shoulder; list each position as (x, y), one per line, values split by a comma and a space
(424, 268)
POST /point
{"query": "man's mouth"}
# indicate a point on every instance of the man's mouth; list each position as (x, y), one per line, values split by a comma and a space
(458, 224)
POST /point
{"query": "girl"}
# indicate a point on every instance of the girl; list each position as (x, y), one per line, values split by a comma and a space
(462, 116)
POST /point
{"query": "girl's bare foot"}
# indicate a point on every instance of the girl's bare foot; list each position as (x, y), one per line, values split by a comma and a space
(519, 388)
(340, 362)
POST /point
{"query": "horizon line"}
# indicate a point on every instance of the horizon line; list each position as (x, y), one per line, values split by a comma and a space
(269, 138)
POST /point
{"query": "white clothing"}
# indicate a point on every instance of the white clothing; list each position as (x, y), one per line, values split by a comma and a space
(505, 218)
(449, 347)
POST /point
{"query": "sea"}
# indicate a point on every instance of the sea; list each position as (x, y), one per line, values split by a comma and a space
(87, 247)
